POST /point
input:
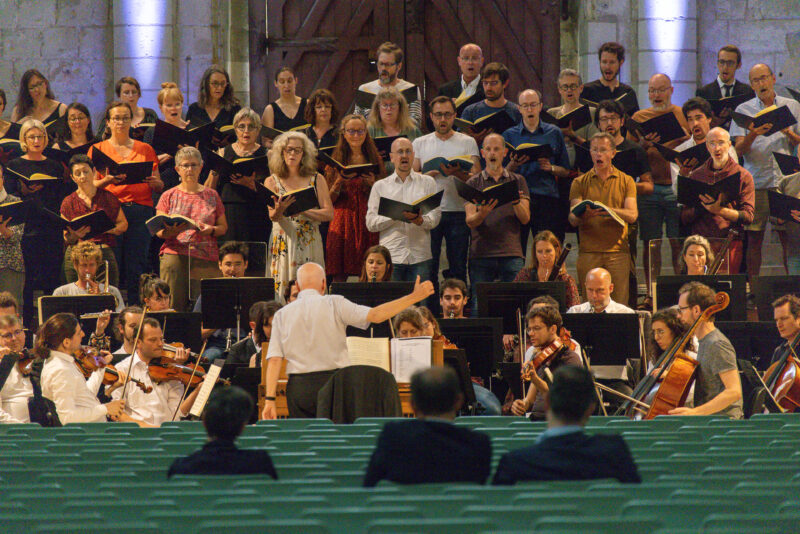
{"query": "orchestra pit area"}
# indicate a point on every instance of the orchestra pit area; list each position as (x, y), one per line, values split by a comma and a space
(700, 474)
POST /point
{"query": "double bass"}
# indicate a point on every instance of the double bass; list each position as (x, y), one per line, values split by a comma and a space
(677, 371)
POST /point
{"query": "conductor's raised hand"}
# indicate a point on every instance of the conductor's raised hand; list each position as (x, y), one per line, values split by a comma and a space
(422, 290)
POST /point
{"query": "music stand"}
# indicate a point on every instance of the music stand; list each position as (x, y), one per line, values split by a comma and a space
(457, 359)
(503, 299)
(226, 301)
(752, 341)
(183, 327)
(735, 285)
(247, 378)
(511, 373)
(77, 305)
(481, 340)
(609, 340)
(769, 288)
(371, 294)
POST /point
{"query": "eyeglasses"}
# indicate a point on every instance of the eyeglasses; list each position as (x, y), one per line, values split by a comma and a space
(443, 115)
(662, 91)
(761, 79)
(35, 86)
(532, 105)
(246, 127)
(188, 166)
(218, 84)
(351, 131)
(77, 118)
(35, 137)
(386, 106)
(124, 119)
(570, 87)
(726, 62)
(297, 150)
(11, 335)
(608, 119)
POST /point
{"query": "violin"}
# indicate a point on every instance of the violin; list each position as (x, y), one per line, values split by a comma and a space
(25, 362)
(166, 370)
(168, 351)
(783, 379)
(89, 360)
(544, 357)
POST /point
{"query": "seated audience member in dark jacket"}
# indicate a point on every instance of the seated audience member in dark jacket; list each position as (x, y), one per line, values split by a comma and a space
(431, 448)
(564, 451)
(226, 413)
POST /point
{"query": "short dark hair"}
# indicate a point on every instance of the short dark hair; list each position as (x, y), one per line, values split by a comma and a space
(612, 48)
(792, 300)
(572, 393)
(434, 390)
(733, 49)
(453, 283)
(549, 315)
(260, 314)
(442, 99)
(127, 80)
(547, 300)
(697, 103)
(80, 159)
(287, 291)
(609, 106)
(227, 411)
(152, 322)
(390, 48)
(150, 285)
(119, 321)
(698, 294)
(496, 69)
(7, 300)
(411, 316)
(234, 247)
(284, 69)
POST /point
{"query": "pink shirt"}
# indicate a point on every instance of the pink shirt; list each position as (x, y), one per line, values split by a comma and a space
(205, 206)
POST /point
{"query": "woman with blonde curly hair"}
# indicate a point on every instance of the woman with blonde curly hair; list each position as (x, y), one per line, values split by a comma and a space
(295, 240)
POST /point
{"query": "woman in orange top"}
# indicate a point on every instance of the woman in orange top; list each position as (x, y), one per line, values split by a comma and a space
(132, 249)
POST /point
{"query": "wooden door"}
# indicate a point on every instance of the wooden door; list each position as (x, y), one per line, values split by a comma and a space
(331, 43)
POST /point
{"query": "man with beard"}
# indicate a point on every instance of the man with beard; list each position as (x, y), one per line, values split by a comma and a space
(447, 143)
(390, 63)
(542, 175)
(494, 79)
(608, 87)
(757, 149)
(729, 59)
(470, 62)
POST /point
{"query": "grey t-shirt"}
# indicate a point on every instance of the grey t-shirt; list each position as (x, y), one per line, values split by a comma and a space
(715, 355)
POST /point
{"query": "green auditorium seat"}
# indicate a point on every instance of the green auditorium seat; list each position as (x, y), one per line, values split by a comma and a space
(678, 513)
(760, 523)
(186, 426)
(188, 518)
(301, 470)
(589, 503)
(354, 519)
(582, 525)
(273, 506)
(126, 527)
(430, 506)
(52, 501)
(145, 490)
(269, 526)
(355, 496)
(25, 523)
(447, 525)
(520, 516)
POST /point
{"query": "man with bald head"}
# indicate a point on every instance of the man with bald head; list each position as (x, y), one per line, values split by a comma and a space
(309, 334)
(716, 217)
(658, 209)
(495, 251)
(599, 287)
(408, 242)
(543, 174)
(757, 150)
(468, 84)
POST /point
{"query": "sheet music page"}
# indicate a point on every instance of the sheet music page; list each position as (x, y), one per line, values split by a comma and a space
(369, 351)
(205, 389)
(409, 355)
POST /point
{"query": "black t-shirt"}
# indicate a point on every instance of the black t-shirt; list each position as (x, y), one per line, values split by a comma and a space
(198, 116)
(642, 162)
(597, 92)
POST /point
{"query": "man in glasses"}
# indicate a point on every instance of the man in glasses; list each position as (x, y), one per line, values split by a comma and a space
(15, 386)
(390, 64)
(467, 86)
(729, 59)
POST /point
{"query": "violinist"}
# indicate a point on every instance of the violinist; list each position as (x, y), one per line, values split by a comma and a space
(786, 311)
(717, 388)
(543, 325)
(86, 258)
(16, 390)
(75, 397)
(160, 404)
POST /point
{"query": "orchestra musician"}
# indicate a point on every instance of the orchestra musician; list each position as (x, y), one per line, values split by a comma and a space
(163, 403)
(86, 258)
(696, 256)
(717, 388)
(248, 349)
(154, 293)
(543, 325)
(786, 311)
(17, 388)
(126, 325)
(377, 266)
(546, 251)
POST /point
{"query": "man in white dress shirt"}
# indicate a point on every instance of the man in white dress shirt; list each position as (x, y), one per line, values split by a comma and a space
(162, 402)
(17, 389)
(599, 287)
(408, 242)
(309, 334)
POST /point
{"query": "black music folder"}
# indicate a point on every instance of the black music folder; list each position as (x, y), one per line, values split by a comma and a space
(577, 118)
(697, 152)
(504, 192)
(305, 198)
(729, 102)
(533, 150)
(75, 304)
(154, 224)
(689, 190)
(97, 221)
(17, 211)
(63, 156)
(781, 205)
(361, 168)
(434, 164)
(498, 122)
(787, 164)
(779, 116)
(665, 125)
(135, 172)
(167, 137)
(394, 209)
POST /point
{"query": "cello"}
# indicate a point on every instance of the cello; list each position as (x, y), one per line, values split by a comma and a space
(782, 379)
(676, 368)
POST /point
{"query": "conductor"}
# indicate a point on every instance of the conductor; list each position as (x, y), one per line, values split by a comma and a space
(310, 334)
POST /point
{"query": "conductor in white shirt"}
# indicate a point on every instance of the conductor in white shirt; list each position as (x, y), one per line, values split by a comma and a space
(309, 334)
(408, 242)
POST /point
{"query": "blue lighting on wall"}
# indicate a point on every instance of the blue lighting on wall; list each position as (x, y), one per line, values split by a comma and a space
(666, 25)
(144, 25)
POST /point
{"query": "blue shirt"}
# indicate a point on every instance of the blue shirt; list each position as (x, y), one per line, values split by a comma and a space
(480, 109)
(540, 182)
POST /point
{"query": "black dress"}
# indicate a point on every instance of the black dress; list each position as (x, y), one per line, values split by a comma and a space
(283, 123)
(245, 209)
(42, 242)
(9, 148)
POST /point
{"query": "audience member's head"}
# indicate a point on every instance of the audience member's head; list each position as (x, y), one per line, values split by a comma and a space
(227, 412)
(453, 298)
(436, 392)
(572, 397)
(377, 265)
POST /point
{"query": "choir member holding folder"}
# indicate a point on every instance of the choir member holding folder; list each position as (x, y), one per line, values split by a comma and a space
(215, 103)
(198, 239)
(129, 92)
(321, 116)
(39, 179)
(244, 196)
(136, 198)
(389, 119)
(35, 100)
(789, 191)
(86, 200)
(715, 217)
(78, 135)
(170, 101)
(295, 237)
(12, 268)
(348, 236)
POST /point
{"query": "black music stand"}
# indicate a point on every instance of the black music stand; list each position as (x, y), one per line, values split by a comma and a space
(77, 305)
(226, 301)
(503, 299)
(770, 288)
(247, 378)
(481, 340)
(178, 327)
(457, 359)
(609, 339)
(371, 294)
(735, 285)
(752, 341)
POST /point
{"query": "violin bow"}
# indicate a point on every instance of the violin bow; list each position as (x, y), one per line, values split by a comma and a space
(186, 389)
(133, 352)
